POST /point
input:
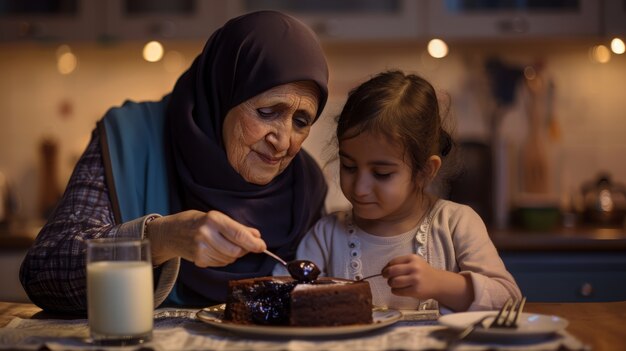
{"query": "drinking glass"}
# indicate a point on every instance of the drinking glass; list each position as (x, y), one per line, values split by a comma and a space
(120, 297)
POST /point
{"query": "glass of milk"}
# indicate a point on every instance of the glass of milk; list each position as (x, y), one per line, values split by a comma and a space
(120, 298)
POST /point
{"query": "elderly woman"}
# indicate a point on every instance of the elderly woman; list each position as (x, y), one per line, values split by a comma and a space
(212, 174)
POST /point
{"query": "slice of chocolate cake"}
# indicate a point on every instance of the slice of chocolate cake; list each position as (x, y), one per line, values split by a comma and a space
(263, 300)
(284, 301)
(331, 302)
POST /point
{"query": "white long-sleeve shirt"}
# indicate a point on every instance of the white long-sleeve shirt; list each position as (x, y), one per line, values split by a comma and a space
(451, 237)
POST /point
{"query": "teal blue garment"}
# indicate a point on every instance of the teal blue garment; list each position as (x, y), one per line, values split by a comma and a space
(134, 158)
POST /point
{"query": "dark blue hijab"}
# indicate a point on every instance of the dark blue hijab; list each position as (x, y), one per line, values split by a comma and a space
(247, 56)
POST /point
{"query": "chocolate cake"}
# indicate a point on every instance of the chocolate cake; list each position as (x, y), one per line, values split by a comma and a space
(285, 301)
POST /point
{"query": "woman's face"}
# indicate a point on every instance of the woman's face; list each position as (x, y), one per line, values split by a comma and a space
(263, 134)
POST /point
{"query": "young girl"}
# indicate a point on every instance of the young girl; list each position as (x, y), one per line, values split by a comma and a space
(431, 252)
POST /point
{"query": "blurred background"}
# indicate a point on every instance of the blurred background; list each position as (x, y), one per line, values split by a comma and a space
(533, 90)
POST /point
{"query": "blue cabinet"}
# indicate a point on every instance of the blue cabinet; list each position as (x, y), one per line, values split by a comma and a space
(569, 276)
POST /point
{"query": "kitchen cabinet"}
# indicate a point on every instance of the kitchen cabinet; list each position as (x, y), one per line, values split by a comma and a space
(332, 20)
(49, 20)
(582, 264)
(349, 19)
(164, 19)
(197, 19)
(614, 17)
(569, 276)
(458, 19)
(111, 19)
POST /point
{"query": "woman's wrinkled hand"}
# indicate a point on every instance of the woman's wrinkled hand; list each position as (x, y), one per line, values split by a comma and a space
(208, 239)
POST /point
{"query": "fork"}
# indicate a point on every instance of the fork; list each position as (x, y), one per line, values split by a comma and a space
(509, 314)
(507, 317)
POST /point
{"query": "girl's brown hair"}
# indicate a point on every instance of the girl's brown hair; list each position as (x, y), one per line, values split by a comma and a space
(404, 107)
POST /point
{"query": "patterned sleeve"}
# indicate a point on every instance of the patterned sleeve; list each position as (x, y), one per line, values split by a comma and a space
(53, 271)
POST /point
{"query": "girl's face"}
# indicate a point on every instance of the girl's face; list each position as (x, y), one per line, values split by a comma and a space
(375, 178)
(263, 134)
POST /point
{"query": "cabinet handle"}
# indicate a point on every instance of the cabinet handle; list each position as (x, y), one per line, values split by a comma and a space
(586, 290)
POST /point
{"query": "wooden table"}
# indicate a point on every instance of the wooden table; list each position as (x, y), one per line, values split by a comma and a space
(600, 325)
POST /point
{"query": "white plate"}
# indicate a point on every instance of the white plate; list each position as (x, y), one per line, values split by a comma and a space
(531, 325)
(213, 316)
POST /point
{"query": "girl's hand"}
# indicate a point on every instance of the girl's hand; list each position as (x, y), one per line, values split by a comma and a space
(411, 276)
(208, 239)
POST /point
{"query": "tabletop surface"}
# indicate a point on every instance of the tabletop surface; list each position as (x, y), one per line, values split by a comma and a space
(599, 325)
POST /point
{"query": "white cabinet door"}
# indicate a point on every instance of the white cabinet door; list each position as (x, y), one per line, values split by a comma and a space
(615, 17)
(49, 20)
(349, 19)
(164, 19)
(510, 19)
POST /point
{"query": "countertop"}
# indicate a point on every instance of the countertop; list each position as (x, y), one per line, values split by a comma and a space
(559, 239)
(18, 236)
(15, 242)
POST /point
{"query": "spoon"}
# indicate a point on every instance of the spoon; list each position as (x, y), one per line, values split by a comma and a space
(301, 270)
(274, 256)
(370, 276)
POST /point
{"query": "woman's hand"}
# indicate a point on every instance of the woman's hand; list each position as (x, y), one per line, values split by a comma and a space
(412, 276)
(208, 239)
